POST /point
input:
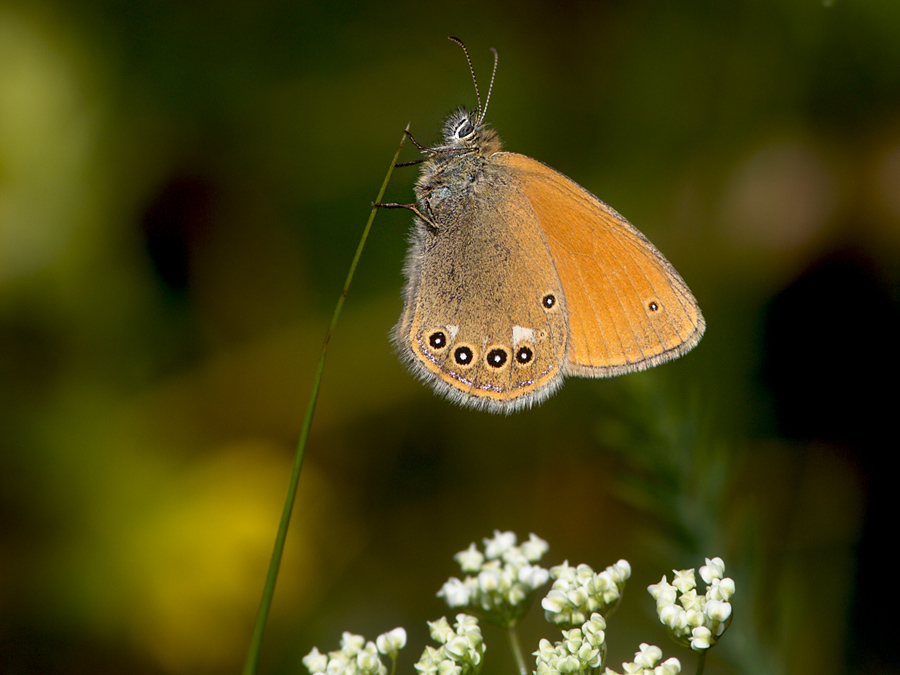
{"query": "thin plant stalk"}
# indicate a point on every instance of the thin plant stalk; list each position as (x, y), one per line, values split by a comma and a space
(516, 649)
(701, 661)
(262, 616)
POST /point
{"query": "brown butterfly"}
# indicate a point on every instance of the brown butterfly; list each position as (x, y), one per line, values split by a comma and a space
(518, 277)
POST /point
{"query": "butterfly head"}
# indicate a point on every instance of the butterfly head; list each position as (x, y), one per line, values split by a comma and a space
(466, 130)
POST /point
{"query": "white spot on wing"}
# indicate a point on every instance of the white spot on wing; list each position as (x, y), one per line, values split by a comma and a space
(453, 330)
(521, 334)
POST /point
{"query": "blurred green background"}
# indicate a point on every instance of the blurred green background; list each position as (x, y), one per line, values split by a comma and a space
(181, 188)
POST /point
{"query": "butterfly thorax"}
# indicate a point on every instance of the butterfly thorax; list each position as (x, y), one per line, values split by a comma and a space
(455, 168)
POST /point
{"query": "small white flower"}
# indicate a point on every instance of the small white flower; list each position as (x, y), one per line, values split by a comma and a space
(721, 589)
(508, 576)
(587, 653)
(428, 663)
(535, 548)
(455, 593)
(449, 667)
(513, 558)
(713, 569)
(568, 664)
(583, 572)
(701, 638)
(465, 622)
(496, 547)
(690, 600)
(545, 648)
(315, 661)
(440, 630)
(367, 661)
(351, 644)
(694, 618)
(663, 592)
(392, 642)
(594, 630)
(577, 596)
(467, 626)
(562, 572)
(684, 580)
(469, 560)
(517, 595)
(673, 617)
(649, 655)
(610, 596)
(670, 666)
(489, 580)
(533, 576)
(338, 663)
(457, 648)
(717, 610)
(424, 668)
(555, 601)
(573, 639)
(620, 572)
(600, 583)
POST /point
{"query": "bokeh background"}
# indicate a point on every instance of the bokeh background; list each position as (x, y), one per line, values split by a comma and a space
(182, 185)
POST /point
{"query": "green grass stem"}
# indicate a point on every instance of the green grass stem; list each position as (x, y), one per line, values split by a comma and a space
(252, 664)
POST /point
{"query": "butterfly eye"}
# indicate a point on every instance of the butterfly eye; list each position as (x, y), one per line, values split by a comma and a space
(465, 129)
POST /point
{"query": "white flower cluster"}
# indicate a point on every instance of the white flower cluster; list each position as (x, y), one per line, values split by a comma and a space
(579, 592)
(695, 620)
(461, 651)
(581, 650)
(500, 582)
(356, 656)
(647, 662)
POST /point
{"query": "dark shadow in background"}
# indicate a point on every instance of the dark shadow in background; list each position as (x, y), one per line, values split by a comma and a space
(832, 367)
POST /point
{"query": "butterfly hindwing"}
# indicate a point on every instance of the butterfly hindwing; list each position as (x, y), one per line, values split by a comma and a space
(485, 319)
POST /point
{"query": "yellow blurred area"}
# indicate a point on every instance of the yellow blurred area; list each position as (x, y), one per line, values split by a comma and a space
(172, 569)
(182, 186)
(162, 531)
(51, 126)
(160, 528)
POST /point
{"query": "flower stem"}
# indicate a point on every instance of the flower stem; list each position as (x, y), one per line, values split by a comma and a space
(516, 649)
(262, 615)
(701, 661)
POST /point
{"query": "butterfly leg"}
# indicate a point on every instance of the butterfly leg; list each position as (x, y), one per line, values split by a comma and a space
(419, 146)
(411, 207)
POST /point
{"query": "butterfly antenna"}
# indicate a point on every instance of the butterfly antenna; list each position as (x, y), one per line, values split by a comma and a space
(491, 85)
(471, 70)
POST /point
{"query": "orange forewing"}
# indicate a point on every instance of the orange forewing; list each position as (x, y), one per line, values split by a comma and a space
(628, 308)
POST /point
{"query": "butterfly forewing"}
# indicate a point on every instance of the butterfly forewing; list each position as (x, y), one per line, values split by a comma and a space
(628, 308)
